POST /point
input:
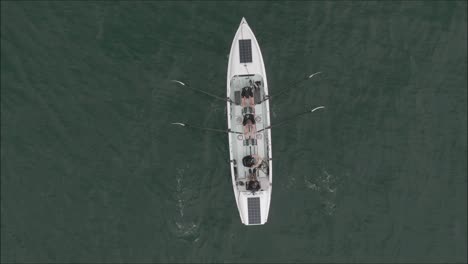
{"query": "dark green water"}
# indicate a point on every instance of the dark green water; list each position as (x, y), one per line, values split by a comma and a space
(92, 172)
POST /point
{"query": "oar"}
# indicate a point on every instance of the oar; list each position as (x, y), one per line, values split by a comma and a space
(201, 91)
(291, 87)
(206, 128)
(292, 118)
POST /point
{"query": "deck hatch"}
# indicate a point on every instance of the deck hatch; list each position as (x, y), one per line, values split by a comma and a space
(253, 205)
(245, 50)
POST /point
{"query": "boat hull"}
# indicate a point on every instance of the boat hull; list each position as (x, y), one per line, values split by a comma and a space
(246, 68)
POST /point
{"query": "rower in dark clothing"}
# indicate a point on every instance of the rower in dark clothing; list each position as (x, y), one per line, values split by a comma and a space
(247, 94)
(253, 184)
(248, 117)
(249, 126)
(252, 161)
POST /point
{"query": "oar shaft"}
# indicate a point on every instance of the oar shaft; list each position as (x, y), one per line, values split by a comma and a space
(207, 128)
(291, 118)
(297, 83)
(204, 92)
(291, 87)
(207, 93)
(285, 121)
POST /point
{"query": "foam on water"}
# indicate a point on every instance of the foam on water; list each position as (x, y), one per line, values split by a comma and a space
(185, 228)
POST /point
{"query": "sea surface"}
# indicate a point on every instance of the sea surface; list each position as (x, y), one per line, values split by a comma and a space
(93, 172)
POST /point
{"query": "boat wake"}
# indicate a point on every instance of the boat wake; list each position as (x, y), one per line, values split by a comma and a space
(180, 192)
(325, 184)
(187, 231)
(183, 226)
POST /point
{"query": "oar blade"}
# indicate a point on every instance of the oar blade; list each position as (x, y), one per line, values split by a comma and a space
(178, 82)
(312, 75)
(179, 124)
(317, 108)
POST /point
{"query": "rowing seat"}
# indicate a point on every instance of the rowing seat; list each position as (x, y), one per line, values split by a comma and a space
(247, 110)
(250, 141)
(257, 98)
(237, 97)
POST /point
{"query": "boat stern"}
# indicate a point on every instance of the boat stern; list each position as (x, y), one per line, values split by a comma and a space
(254, 207)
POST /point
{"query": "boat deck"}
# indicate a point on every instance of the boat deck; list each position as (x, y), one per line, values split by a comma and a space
(241, 146)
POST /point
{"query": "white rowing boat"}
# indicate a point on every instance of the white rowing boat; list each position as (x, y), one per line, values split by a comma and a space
(249, 127)
(252, 186)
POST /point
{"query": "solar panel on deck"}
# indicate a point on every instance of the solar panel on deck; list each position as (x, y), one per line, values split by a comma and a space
(245, 50)
(253, 206)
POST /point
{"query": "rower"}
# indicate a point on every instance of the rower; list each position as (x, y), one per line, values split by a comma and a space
(249, 126)
(247, 94)
(253, 184)
(252, 161)
(248, 117)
